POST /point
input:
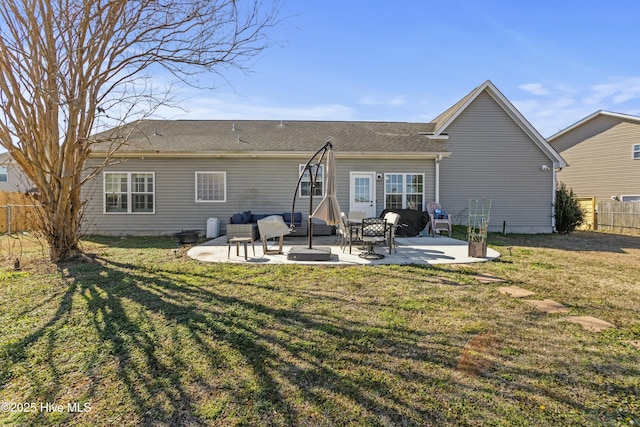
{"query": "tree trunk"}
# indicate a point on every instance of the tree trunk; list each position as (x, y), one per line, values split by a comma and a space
(63, 240)
(64, 64)
(62, 217)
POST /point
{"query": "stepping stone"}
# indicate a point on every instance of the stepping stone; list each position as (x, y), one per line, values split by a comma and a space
(635, 343)
(548, 306)
(488, 278)
(590, 323)
(515, 291)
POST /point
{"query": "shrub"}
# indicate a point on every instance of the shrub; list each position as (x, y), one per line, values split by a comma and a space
(568, 212)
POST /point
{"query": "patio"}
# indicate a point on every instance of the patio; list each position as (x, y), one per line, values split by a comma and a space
(410, 250)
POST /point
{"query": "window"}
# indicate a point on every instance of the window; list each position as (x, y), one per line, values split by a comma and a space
(129, 192)
(305, 184)
(4, 175)
(211, 186)
(630, 198)
(404, 191)
(636, 151)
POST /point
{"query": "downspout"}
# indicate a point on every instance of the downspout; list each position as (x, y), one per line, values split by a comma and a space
(553, 199)
(437, 178)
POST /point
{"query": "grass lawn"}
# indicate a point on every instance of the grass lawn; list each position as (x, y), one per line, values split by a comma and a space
(145, 336)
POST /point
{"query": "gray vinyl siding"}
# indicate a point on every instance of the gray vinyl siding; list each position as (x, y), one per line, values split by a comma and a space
(259, 185)
(600, 160)
(16, 180)
(493, 158)
(426, 167)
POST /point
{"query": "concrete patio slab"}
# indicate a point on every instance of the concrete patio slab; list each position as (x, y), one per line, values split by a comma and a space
(590, 323)
(515, 291)
(548, 306)
(411, 250)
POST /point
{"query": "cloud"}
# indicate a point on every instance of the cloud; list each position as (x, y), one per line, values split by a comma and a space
(617, 91)
(396, 101)
(535, 89)
(219, 108)
(553, 106)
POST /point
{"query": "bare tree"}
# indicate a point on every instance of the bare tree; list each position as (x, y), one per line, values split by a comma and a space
(65, 63)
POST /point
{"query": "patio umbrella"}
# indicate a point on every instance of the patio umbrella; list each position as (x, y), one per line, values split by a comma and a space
(329, 209)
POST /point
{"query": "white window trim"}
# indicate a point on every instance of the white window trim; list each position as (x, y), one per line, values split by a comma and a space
(224, 177)
(635, 196)
(300, 172)
(129, 193)
(404, 187)
(4, 172)
(635, 151)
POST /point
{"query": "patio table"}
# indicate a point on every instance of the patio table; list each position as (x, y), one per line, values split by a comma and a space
(237, 241)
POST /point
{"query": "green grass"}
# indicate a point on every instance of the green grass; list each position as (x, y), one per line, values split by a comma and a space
(145, 336)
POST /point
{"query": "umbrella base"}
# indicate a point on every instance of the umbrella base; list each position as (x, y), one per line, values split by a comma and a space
(306, 254)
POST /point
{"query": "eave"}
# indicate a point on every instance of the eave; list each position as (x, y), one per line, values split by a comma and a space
(273, 155)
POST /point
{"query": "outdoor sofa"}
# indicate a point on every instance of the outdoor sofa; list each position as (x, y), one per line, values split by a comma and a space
(245, 224)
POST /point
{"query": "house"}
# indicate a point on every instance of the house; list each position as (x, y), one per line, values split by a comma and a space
(173, 175)
(604, 152)
(11, 176)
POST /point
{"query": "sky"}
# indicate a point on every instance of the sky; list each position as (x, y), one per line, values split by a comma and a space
(409, 60)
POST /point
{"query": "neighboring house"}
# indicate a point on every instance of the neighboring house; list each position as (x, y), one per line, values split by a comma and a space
(603, 150)
(11, 176)
(174, 175)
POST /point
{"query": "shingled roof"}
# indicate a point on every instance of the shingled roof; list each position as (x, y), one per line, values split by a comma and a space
(184, 137)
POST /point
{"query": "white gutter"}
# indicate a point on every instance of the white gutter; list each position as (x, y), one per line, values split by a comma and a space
(270, 154)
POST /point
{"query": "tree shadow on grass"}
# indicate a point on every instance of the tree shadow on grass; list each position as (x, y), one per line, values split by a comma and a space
(273, 342)
(194, 349)
(17, 351)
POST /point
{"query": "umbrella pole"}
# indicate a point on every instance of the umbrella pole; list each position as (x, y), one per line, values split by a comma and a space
(310, 254)
(313, 178)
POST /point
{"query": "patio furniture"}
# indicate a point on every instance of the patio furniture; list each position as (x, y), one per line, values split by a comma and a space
(374, 230)
(342, 231)
(411, 223)
(347, 231)
(272, 226)
(186, 237)
(236, 233)
(356, 216)
(392, 220)
(438, 219)
(237, 241)
(243, 221)
(354, 227)
(321, 228)
(243, 230)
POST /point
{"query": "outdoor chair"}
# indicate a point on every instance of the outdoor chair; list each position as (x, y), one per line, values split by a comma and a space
(392, 220)
(438, 220)
(347, 232)
(374, 230)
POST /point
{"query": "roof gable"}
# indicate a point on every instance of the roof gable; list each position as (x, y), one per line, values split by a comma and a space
(443, 121)
(592, 117)
(5, 158)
